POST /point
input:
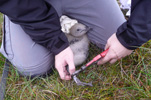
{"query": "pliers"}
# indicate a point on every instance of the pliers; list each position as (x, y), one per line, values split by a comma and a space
(93, 61)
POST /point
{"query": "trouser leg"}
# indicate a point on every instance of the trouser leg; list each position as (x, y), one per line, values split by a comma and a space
(103, 16)
(28, 57)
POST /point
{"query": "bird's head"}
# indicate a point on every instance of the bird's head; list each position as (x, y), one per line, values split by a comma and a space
(78, 30)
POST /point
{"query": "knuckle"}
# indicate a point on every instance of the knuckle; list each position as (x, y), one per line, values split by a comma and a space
(113, 55)
(72, 69)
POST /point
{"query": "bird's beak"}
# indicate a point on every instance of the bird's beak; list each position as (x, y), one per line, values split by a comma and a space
(87, 29)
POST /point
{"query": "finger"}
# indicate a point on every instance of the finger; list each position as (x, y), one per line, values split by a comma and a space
(67, 75)
(63, 73)
(113, 61)
(104, 60)
(109, 56)
(71, 66)
(60, 71)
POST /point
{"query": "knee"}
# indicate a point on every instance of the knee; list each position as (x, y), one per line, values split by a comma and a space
(37, 68)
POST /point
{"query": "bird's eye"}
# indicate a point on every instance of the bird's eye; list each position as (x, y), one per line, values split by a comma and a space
(78, 29)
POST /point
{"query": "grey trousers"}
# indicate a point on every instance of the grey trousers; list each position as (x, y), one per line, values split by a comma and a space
(30, 58)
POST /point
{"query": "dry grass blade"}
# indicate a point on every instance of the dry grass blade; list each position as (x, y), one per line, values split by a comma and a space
(50, 92)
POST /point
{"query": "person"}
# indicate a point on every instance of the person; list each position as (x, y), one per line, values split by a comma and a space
(131, 34)
(32, 38)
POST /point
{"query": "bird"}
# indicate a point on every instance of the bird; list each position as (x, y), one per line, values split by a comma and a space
(76, 34)
(79, 42)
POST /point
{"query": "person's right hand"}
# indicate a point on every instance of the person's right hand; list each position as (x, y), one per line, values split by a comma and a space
(116, 51)
(63, 59)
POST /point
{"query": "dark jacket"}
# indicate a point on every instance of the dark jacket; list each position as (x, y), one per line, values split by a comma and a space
(137, 30)
(38, 19)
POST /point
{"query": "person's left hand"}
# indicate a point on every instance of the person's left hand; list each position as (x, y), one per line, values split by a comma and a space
(116, 51)
(63, 59)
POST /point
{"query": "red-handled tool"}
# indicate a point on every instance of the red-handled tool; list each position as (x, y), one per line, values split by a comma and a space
(97, 58)
(93, 61)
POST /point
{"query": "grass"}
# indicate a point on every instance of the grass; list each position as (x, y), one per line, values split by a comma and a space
(2, 59)
(129, 78)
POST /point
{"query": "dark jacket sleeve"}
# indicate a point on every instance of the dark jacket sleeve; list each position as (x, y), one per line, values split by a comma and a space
(38, 19)
(137, 30)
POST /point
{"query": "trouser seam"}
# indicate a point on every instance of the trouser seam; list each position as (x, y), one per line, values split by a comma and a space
(9, 36)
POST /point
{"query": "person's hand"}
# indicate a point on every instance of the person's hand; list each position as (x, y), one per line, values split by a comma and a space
(63, 59)
(116, 51)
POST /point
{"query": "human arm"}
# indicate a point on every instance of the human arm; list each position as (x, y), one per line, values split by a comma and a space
(39, 20)
(131, 34)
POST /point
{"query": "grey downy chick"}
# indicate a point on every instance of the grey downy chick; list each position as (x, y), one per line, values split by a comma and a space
(79, 42)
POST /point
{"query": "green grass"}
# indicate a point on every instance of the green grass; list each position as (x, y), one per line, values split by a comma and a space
(129, 78)
(2, 59)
